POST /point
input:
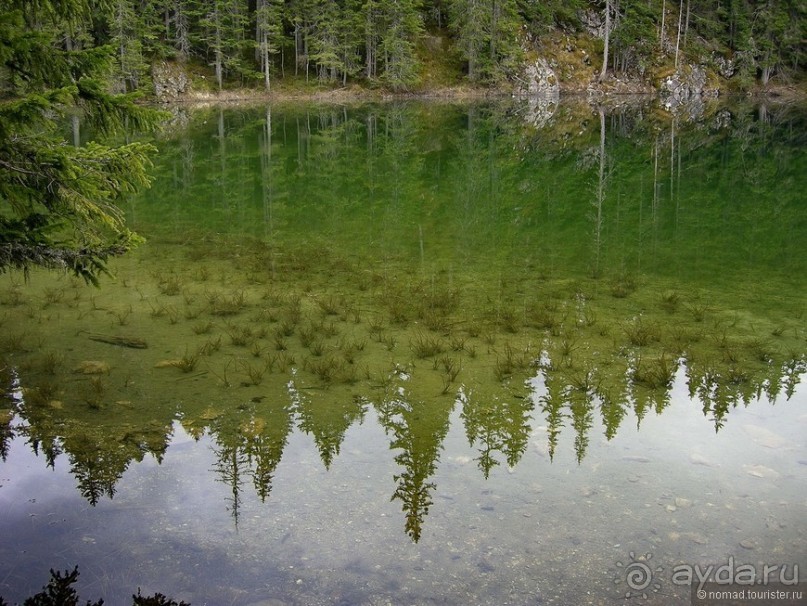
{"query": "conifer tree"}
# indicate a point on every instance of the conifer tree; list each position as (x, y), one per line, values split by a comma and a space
(268, 35)
(402, 25)
(58, 201)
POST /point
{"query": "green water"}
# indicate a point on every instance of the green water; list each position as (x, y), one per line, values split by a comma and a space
(422, 353)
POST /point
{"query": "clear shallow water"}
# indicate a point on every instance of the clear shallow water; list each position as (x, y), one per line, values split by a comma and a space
(422, 354)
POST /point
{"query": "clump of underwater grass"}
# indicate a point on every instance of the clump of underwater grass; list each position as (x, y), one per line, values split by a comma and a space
(508, 320)
(221, 304)
(192, 313)
(122, 315)
(173, 314)
(223, 376)
(50, 362)
(641, 333)
(295, 309)
(760, 349)
(169, 285)
(53, 296)
(306, 334)
(159, 310)
(254, 372)
(623, 286)
(655, 373)
(240, 336)
(286, 328)
(188, 361)
(283, 361)
(330, 305)
(280, 341)
(42, 395)
(584, 380)
(316, 347)
(202, 328)
(435, 320)
(698, 311)
(375, 326)
(326, 369)
(426, 346)
(210, 347)
(670, 301)
(349, 348)
(13, 297)
(450, 368)
(456, 343)
(15, 342)
(510, 361)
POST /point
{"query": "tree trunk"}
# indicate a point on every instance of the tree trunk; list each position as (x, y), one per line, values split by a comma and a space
(265, 59)
(607, 36)
(678, 37)
(686, 25)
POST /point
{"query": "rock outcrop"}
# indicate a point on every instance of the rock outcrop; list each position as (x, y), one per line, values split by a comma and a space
(685, 90)
(170, 81)
(541, 88)
(540, 80)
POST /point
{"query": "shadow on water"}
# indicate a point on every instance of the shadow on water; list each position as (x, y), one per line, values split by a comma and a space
(428, 271)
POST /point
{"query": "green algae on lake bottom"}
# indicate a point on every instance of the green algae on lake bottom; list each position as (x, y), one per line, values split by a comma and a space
(306, 268)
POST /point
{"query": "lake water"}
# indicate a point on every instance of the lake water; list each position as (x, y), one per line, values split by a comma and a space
(424, 353)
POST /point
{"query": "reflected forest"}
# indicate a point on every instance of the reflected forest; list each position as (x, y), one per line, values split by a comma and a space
(501, 265)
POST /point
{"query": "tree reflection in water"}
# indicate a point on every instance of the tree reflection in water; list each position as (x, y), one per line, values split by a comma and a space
(412, 260)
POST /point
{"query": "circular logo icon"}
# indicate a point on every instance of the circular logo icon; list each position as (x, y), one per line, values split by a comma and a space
(639, 575)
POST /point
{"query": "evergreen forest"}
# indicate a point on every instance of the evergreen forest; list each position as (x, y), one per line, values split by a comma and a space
(405, 44)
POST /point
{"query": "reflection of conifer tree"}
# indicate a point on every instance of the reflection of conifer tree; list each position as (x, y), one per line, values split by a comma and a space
(613, 410)
(418, 429)
(328, 423)
(792, 370)
(8, 406)
(552, 407)
(499, 425)
(6, 434)
(96, 475)
(266, 453)
(265, 445)
(641, 404)
(580, 405)
(49, 445)
(232, 466)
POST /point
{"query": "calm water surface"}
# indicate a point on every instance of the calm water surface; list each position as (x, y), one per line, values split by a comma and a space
(423, 354)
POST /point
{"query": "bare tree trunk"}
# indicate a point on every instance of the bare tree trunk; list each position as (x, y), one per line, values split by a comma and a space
(219, 58)
(75, 122)
(686, 25)
(678, 37)
(265, 59)
(296, 47)
(182, 40)
(607, 38)
(663, 14)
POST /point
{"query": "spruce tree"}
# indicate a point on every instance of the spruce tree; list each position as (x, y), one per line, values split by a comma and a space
(57, 200)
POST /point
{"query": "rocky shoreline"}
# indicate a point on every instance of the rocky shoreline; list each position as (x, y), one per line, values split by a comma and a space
(686, 87)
